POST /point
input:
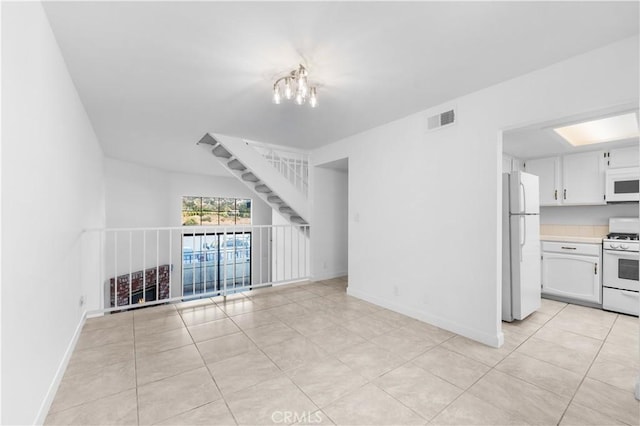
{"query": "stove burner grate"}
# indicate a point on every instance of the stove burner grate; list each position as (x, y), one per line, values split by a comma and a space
(622, 236)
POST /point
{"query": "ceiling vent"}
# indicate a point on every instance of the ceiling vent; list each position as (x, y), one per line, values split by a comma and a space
(443, 119)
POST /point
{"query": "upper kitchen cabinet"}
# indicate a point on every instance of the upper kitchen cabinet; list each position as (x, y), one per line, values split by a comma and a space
(548, 172)
(583, 178)
(623, 157)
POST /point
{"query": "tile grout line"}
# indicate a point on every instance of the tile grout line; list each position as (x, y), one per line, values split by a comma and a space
(491, 368)
(587, 372)
(318, 408)
(102, 367)
(135, 365)
(331, 355)
(207, 367)
(367, 380)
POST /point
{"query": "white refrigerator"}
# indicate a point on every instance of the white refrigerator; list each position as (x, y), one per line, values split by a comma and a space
(521, 283)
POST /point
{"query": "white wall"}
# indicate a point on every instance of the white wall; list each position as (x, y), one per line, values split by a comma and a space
(52, 188)
(442, 249)
(329, 234)
(586, 215)
(136, 196)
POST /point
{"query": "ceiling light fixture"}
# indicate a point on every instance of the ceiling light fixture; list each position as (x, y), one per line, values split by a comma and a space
(603, 130)
(295, 86)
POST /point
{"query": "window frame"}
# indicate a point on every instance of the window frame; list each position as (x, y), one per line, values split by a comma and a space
(219, 203)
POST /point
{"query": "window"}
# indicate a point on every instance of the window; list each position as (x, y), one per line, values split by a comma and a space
(213, 211)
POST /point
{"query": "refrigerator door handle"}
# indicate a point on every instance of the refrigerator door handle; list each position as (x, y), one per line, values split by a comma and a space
(524, 198)
(523, 232)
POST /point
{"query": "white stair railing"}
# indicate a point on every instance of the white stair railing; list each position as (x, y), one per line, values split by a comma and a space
(149, 266)
(293, 165)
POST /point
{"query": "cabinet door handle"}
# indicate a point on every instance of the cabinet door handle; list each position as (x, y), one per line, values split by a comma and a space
(595, 269)
(569, 248)
(555, 194)
(565, 194)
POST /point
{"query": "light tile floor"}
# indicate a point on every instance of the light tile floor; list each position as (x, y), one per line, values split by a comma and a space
(310, 354)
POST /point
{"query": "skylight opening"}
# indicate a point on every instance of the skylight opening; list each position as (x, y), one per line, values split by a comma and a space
(608, 129)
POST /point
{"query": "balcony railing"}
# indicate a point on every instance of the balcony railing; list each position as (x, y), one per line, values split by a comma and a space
(147, 266)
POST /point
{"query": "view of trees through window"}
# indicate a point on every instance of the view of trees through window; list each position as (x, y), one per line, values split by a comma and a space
(213, 211)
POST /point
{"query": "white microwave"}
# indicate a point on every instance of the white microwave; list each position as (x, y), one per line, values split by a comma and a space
(622, 185)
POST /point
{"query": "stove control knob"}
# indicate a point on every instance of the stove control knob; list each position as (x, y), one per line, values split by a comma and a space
(614, 245)
(624, 246)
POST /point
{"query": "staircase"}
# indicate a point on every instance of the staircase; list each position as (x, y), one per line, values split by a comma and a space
(257, 173)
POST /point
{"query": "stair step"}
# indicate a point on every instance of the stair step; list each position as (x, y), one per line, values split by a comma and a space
(250, 177)
(208, 140)
(297, 219)
(220, 151)
(263, 189)
(274, 199)
(236, 165)
(286, 210)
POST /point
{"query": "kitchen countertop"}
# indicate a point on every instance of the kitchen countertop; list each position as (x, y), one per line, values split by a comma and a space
(571, 239)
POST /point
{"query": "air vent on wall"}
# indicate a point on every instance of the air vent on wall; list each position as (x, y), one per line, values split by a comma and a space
(443, 119)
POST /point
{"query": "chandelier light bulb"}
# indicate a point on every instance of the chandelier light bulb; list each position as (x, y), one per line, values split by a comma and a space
(299, 98)
(276, 95)
(303, 87)
(313, 98)
(288, 91)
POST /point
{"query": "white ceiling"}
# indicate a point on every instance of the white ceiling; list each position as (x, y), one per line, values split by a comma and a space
(540, 140)
(155, 76)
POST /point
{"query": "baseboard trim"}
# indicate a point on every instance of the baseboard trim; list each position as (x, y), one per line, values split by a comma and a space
(53, 388)
(488, 339)
(328, 275)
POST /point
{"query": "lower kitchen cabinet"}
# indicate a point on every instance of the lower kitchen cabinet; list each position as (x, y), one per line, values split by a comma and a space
(572, 271)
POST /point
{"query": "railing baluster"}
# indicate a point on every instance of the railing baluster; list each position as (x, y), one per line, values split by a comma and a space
(223, 248)
(298, 250)
(157, 264)
(259, 253)
(102, 255)
(206, 245)
(234, 256)
(144, 265)
(170, 263)
(130, 266)
(291, 250)
(193, 263)
(244, 251)
(115, 270)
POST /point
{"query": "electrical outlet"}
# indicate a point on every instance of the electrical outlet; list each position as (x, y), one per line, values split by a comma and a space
(81, 301)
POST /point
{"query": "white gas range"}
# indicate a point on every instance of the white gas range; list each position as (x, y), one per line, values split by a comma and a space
(620, 285)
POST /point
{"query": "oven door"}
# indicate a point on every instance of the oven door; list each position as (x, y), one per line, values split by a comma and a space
(623, 185)
(620, 270)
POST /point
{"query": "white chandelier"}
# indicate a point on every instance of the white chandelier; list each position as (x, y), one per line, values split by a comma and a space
(295, 86)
